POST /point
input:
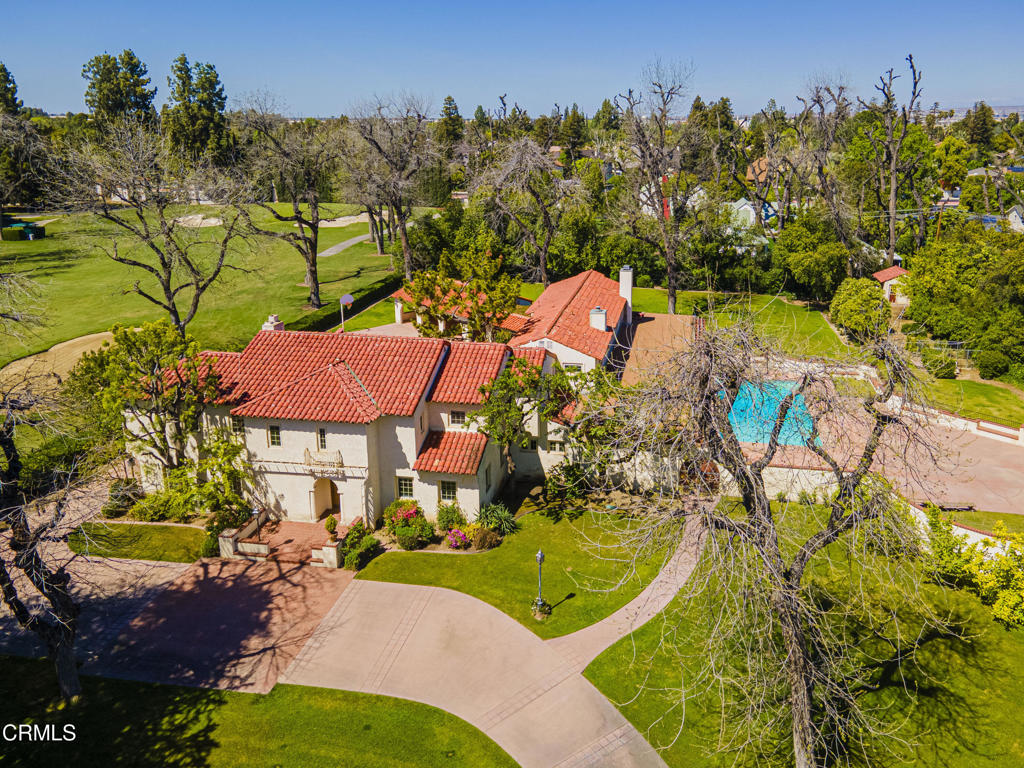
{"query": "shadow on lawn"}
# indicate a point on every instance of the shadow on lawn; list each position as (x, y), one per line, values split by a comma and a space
(117, 723)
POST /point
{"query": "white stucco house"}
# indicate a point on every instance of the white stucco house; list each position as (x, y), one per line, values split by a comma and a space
(891, 279)
(346, 423)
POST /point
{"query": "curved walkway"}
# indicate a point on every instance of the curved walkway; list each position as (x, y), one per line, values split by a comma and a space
(335, 249)
(458, 653)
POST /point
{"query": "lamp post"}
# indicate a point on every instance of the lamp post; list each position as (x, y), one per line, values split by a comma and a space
(345, 301)
(539, 606)
(256, 517)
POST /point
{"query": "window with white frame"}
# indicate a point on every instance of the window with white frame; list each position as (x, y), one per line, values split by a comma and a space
(274, 435)
(404, 487)
(572, 367)
(449, 491)
(556, 446)
(237, 425)
(458, 418)
(321, 439)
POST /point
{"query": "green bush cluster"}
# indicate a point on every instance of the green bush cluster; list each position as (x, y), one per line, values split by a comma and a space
(404, 520)
(485, 538)
(938, 364)
(449, 516)
(991, 363)
(361, 553)
(12, 233)
(498, 518)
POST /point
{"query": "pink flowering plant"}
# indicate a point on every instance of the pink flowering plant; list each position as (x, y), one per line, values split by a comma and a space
(457, 539)
(402, 512)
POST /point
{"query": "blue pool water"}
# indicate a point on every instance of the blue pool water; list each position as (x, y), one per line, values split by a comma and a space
(755, 409)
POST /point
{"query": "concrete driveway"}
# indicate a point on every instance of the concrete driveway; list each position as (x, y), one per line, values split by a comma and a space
(462, 655)
(230, 624)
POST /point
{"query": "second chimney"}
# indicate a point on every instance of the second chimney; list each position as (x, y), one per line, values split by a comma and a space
(626, 286)
(273, 324)
(599, 319)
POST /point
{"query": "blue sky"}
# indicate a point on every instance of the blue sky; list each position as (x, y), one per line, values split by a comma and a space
(322, 57)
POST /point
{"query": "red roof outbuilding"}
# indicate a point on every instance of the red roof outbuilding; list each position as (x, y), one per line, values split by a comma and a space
(890, 273)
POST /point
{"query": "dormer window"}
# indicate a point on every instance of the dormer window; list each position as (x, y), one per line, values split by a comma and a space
(457, 418)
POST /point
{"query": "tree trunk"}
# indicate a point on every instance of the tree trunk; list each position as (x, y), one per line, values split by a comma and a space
(670, 274)
(63, 656)
(313, 281)
(892, 211)
(798, 677)
(406, 250)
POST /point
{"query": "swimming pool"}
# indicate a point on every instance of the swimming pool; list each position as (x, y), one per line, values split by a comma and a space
(756, 407)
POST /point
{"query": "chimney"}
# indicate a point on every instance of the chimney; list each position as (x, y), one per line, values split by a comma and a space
(626, 286)
(599, 319)
(273, 324)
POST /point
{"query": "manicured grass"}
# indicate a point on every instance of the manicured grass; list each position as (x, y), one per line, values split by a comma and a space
(644, 676)
(82, 291)
(986, 521)
(978, 400)
(142, 725)
(798, 329)
(381, 313)
(172, 543)
(506, 577)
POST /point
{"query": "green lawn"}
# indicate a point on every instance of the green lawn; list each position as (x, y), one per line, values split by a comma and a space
(142, 725)
(978, 400)
(798, 329)
(81, 291)
(381, 313)
(173, 543)
(506, 577)
(985, 727)
(986, 521)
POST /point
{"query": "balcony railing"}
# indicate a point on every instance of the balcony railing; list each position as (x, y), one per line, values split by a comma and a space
(323, 459)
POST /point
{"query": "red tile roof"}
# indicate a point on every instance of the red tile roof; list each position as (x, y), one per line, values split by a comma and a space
(456, 453)
(534, 355)
(889, 273)
(328, 376)
(468, 367)
(562, 314)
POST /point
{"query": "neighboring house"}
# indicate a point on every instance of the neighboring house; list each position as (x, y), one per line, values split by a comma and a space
(891, 279)
(347, 423)
(1016, 218)
(584, 320)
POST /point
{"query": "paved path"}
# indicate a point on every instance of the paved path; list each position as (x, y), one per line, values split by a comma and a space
(462, 655)
(334, 249)
(585, 645)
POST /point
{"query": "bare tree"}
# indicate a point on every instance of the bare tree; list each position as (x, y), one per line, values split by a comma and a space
(887, 139)
(528, 190)
(806, 611)
(360, 177)
(396, 131)
(132, 180)
(659, 194)
(299, 159)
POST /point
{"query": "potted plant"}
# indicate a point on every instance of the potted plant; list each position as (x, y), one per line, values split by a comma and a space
(331, 524)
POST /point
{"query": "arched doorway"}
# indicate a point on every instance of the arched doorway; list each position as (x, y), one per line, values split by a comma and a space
(325, 498)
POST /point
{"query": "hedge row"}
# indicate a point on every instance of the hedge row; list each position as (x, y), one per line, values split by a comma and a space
(329, 316)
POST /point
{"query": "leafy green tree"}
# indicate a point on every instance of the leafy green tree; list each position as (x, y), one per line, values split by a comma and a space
(469, 286)
(117, 88)
(480, 117)
(193, 118)
(450, 128)
(819, 271)
(980, 124)
(859, 307)
(21, 161)
(9, 101)
(952, 155)
(521, 391)
(573, 135)
(158, 383)
(607, 117)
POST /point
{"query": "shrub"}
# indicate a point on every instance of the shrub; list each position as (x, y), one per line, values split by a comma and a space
(424, 529)
(355, 534)
(408, 537)
(159, 506)
(12, 233)
(991, 363)
(367, 549)
(123, 496)
(331, 526)
(498, 518)
(400, 512)
(486, 539)
(449, 516)
(859, 307)
(210, 547)
(352, 561)
(457, 539)
(938, 364)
